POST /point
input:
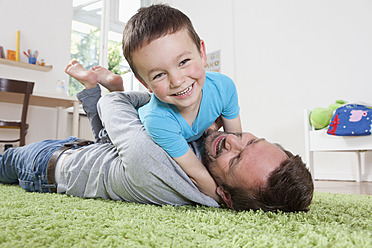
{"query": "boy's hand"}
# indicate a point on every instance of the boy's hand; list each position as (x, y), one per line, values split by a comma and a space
(215, 126)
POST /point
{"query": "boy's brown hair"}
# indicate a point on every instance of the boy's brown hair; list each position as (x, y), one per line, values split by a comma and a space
(151, 23)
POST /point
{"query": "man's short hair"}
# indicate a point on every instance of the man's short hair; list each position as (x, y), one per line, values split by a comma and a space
(289, 188)
(151, 23)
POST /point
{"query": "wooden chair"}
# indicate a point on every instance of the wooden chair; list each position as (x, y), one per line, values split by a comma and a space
(17, 87)
(320, 141)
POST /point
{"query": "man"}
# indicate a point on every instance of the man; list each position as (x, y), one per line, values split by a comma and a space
(125, 164)
(252, 173)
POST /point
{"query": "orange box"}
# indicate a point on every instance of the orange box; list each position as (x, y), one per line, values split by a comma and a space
(11, 55)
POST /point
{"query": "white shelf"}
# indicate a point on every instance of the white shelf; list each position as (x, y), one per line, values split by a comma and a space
(25, 65)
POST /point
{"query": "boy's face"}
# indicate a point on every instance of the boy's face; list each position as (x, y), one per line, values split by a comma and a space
(172, 67)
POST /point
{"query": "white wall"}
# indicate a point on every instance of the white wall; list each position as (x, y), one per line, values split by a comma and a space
(291, 55)
(284, 56)
(44, 25)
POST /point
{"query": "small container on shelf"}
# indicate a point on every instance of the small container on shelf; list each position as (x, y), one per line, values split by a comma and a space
(32, 60)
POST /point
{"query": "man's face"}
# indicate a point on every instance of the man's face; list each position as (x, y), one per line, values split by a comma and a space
(241, 160)
(172, 67)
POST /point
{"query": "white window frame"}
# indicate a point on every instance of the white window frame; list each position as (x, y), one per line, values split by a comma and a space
(109, 21)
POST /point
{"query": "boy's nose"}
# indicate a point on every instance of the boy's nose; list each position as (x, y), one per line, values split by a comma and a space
(232, 142)
(177, 79)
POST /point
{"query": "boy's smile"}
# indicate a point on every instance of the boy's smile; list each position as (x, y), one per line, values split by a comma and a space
(188, 91)
(172, 67)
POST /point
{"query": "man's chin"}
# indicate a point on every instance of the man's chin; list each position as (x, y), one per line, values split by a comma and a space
(208, 157)
(208, 142)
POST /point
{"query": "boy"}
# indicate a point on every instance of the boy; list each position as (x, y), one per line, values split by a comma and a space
(168, 57)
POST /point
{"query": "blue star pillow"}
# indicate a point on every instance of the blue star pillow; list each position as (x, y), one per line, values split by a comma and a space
(351, 120)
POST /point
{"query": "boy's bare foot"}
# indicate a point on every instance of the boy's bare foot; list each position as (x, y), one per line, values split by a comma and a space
(108, 79)
(86, 77)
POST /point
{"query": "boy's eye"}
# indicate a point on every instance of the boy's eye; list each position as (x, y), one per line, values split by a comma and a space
(158, 76)
(184, 61)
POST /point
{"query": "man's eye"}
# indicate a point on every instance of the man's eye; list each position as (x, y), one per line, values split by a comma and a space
(184, 62)
(234, 160)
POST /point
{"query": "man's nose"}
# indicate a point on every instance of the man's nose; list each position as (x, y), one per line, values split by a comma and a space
(232, 142)
(177, 79)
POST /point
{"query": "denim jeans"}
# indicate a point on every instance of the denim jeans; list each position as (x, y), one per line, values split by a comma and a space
(28, 164)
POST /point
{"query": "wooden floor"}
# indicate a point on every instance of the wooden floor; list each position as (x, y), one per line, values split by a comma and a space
(345, 187)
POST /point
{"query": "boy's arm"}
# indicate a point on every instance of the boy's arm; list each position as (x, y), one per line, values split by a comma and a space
(232, 125)
(198, 174)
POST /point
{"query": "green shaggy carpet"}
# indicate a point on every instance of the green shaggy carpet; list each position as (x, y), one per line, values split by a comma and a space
(53, 220)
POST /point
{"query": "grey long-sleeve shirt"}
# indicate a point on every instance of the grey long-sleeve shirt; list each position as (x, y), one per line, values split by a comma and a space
(128, 166)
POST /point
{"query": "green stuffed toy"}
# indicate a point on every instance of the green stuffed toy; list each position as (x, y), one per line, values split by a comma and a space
(321, 117)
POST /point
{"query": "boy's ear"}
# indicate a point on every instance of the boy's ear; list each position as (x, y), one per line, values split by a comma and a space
(226, 197)
(203, 53)
(143, 83)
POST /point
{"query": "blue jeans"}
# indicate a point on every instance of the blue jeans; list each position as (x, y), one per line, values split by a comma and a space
(28, 164)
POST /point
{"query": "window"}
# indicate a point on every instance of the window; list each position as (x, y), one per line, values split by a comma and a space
(88, 43)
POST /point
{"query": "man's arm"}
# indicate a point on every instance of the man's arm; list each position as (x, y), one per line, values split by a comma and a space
(89, 99)
(119, 116)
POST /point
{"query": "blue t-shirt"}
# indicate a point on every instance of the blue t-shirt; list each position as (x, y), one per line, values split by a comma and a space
(170, 130)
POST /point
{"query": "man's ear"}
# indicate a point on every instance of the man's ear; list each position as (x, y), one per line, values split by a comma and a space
(143, 83)
(226, 197)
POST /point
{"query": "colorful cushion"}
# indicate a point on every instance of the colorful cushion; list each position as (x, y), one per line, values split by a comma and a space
(351, 120)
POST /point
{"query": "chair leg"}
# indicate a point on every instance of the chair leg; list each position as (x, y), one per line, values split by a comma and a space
(310, 162)
(360, 155)
(22, 140)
